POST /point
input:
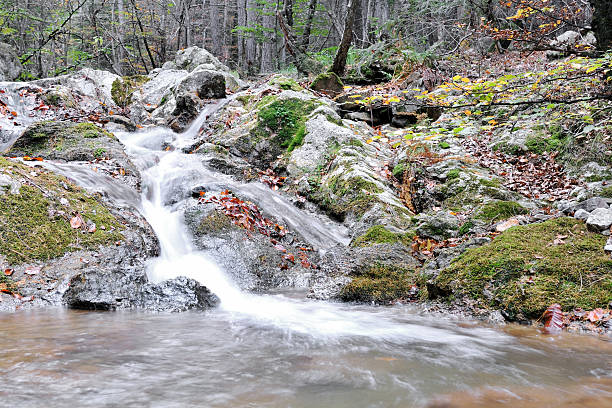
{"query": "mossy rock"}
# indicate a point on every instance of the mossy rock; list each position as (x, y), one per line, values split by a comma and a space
(122, 89)
(500, 210)
(329, 83)
(286, 84)
(524, 270)
(280, 128)
(378, 234)
(381, 284)
(35, 223)
(339, 196)
(66, 141)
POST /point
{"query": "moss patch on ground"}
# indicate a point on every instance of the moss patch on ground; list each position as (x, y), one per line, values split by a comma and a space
(379, 284)
(35, 223)
(500, 210)
(523, 270)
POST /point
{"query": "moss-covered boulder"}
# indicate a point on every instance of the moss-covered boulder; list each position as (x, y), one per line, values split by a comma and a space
(69, 141)
(65, 141)
(379, 234)
(35, 214)
(328, 83)
(279, 128)
(527, 268)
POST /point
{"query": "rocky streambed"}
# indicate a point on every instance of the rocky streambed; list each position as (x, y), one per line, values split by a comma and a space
(282, 187)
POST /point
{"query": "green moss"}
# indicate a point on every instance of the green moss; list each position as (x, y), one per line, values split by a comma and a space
(122, 89)
(380, 284)
(35, 223)
(245, 99)
(453, 174)
(6, 283)
(214, 222)
(284, 83)
(378, 234)
(444, 145)
(89, 131)
(399, 170)
(490, 183)
(523, 271)
(99, 153)
(536, 144)
(335, 121)
(327, 79)
(284, 121)
(606, 192)
(500, 210)
(465, 228)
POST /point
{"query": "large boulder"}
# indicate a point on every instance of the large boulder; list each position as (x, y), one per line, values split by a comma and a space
(69, 141)
(190, 58)
(109, 290)
(10, 67)
(205, 83)
(53, 230)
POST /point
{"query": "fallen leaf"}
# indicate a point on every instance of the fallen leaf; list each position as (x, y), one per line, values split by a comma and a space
(76, 222)
(553, 319)
(8, 271)
(595, 315)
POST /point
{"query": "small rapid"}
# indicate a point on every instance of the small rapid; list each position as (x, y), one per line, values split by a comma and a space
(166, 170)
(273, 350)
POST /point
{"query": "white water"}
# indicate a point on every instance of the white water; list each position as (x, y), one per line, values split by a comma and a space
(165, 171)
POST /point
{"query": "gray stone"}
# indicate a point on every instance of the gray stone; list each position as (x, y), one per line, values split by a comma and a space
(588, 205)
(608, 247)
(581, 214)
(10, 67)
(600, 219)
(192, 57)
(205, 83)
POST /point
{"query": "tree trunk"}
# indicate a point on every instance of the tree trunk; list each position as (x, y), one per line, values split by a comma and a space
(312, 6)
(339, 65)
(268, 47)
(602, 23)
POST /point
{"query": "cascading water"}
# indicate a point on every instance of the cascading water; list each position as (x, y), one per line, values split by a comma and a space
(163, 171)
(272, 351)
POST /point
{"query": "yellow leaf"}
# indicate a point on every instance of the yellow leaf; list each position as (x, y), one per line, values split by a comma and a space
(369, 141)
(467, 112)
(465, 79)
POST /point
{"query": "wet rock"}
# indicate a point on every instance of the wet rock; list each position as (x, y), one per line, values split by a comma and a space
(600, 219)
(69, 141)
(185, 111)
(112, 240)
(175, 295)
(10, 67)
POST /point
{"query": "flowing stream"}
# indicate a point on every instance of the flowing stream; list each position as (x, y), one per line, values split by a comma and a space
(271, 350)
